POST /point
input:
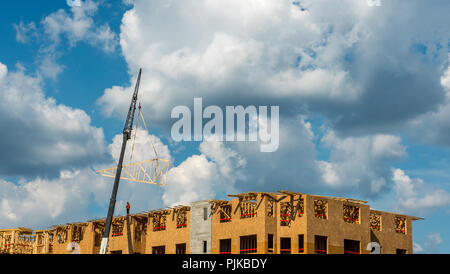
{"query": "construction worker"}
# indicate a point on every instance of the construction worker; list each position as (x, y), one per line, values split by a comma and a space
(128, 208)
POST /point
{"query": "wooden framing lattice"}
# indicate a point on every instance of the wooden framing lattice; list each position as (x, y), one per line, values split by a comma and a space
(140, 228)
(16, 241)
(375, 221)
(271, 207)
(320, 209)
(78, 232)
(292, 208)
(351, 214)
(223, 208)
(159, 219)
(150, 172)
(301, 207)
(181, 215)
(61, 234)
(248, 210)
(285, 214)
(99, 228)
(400, 224)
(117, 227)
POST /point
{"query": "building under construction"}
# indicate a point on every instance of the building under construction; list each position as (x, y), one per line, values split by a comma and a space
(255, 222)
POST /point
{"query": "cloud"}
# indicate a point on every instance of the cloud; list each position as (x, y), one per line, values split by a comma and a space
(24, 32)
(431, 245)
(143, 149)
(69, 196)
(388, 147)
(434, 127)
(360, 164)
(206, 176)
(360, 67)
(292, 166)
(79, 26)
(414, 195)
(433, 242)
(62, 30)
(40, 202)
(42, 137)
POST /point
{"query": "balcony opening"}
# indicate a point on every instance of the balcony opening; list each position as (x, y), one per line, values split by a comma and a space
(285, 214)
(225, 213)
(400, 225)
(321, 209)
(248, 210)
(375, 221)
(351, 214)
(181, 219)
(117, 227)
(301, 207)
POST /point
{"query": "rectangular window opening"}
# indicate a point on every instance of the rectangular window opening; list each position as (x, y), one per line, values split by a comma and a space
(301, 243)
(180, 249)
(285, 246)
(225, 214)
(321, 209)
(320, 245)
(248, 244)
(270, 243)
(205, 247)
(400, 251)
(159, 250)
(225, 246)
(351, 214)
(352, 247)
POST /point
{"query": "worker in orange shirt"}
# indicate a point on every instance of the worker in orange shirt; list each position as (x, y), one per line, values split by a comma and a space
(128, 208)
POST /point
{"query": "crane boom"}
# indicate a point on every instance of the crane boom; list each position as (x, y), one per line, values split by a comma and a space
(130, 118)
(126, 136)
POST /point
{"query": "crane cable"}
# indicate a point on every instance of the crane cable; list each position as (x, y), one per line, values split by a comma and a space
(140, 115)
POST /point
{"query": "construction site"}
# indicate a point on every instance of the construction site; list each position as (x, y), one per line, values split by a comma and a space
(282, 222)
(256, 222)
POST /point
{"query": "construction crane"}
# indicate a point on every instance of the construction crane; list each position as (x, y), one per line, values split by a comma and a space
(126, 136)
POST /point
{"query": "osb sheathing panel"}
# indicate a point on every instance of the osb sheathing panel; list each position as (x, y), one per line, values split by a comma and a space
(261, 225)
(61, 248)
(296, 227)
(120, 243)
(239, 227)
(334, 227)
(169, 237)
(389, 239)
(87, 244)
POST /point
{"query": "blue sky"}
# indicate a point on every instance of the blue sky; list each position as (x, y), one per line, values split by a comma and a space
(363, 96)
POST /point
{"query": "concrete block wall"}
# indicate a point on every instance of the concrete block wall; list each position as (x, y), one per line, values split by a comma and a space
(200, 230)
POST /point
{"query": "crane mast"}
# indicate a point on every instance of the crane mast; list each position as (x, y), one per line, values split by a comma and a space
(126, 136)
